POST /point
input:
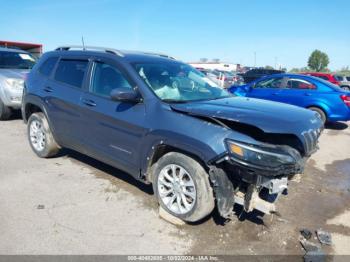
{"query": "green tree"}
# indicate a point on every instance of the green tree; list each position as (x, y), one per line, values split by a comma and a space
(318, 61)
(299, 70)
(268, 67)
(345, 71)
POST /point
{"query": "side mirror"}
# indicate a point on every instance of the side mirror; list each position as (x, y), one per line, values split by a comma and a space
(250, 87)
(125, 95)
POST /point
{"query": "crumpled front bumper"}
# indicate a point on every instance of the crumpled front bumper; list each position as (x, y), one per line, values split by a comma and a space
(251, 186)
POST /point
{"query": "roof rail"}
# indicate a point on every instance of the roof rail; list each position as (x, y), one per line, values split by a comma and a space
(160, 54)
(92, 48)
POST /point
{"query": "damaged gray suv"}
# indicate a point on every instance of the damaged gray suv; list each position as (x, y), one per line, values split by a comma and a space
(198, 145)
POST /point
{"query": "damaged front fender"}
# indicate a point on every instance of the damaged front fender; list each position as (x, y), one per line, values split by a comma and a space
(223, 190)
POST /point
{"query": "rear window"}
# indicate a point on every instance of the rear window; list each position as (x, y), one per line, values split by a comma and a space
(322, 77)
(348, 78)
(338, 78)
(71, 72)
(47, 67)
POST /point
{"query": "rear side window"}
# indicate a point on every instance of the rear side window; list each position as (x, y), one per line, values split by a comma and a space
(71, 72)
(300, 84)
(338, 78)
(47, 67)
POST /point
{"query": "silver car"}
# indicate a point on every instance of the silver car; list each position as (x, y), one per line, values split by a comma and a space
(14, 65)
(344, 81)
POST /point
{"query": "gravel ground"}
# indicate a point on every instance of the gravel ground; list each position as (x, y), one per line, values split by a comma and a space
(73, 204)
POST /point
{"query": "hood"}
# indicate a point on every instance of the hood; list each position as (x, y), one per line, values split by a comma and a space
(270, 117)
(13, 73)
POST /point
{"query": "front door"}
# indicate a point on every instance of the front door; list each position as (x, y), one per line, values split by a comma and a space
(268, 89)
(115, 129)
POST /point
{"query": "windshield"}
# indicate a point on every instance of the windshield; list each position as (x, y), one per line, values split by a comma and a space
(16, 60)
(179, 82)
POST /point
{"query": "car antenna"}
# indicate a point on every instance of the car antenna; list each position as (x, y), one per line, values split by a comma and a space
(82, 40)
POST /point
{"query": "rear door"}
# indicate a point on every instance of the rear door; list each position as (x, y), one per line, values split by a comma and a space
(268, 88)
(114, 129)
(298, 92)
(63, 91)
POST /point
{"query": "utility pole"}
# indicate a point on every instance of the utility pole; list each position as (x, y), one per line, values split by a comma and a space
(254, 58)
(276, 59)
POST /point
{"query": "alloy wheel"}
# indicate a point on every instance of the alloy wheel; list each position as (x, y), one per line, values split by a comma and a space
(176, 189)
(37, 135)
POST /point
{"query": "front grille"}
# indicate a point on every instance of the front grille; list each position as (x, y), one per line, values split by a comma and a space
(310, 140)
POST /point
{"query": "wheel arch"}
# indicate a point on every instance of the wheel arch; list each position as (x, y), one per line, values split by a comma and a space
(32, 104)
(326, 111)
(160, 149)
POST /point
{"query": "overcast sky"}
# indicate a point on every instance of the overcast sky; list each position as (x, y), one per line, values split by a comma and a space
(282, 31)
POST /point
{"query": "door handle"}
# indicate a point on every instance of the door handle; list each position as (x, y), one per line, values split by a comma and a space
(275, 94)
(307, 94)
(89, 102)
(48, 89)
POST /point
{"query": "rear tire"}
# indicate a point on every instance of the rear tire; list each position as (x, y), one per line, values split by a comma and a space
(40, 136)
(321, 113)
(190, 196)
(5, 112)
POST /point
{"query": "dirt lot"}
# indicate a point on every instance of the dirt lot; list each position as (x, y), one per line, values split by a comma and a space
(76, 205)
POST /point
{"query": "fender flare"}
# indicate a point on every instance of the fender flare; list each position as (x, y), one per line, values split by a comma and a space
(37, 101)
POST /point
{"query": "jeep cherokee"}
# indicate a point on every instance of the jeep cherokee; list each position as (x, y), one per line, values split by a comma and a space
(197, 144)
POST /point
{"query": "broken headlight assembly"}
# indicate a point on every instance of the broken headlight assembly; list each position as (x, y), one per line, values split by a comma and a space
(263, 157)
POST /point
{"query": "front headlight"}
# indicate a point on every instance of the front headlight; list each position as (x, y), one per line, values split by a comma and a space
(259, 156)
(15, 83)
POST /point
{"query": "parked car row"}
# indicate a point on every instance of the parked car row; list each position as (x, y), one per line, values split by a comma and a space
(224, 79)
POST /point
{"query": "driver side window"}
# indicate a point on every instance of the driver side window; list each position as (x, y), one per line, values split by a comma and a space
(105, 78)
(271, 83)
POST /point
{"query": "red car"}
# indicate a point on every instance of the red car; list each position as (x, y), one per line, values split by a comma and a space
(325, 76)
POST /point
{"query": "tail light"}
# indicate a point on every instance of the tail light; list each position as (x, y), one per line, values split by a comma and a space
(346, 99)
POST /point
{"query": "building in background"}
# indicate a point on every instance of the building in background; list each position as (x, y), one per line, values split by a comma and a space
(215, 65)
(35, 49)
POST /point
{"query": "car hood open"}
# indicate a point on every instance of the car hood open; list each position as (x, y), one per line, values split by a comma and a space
(270, 117)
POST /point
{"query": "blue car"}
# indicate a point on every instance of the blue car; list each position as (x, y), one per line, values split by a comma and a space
(330, 101)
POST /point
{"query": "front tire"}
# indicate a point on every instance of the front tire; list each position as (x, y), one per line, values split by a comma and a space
(40, 136)
(5, 112)
(321, 113)
(182, 187)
